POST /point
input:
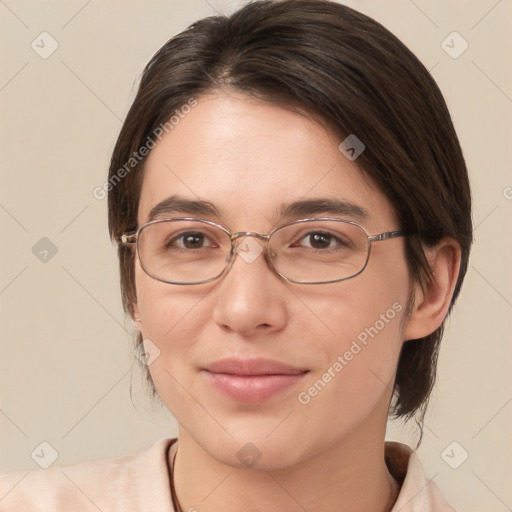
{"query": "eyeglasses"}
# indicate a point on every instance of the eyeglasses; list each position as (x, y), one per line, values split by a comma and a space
(307, 251)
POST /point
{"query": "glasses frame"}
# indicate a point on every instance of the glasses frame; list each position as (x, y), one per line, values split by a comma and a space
(132, 238)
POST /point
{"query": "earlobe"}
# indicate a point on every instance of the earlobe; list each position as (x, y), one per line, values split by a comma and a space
(136, 315)
(432, 303)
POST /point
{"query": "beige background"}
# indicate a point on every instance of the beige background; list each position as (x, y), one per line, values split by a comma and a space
(66, 361)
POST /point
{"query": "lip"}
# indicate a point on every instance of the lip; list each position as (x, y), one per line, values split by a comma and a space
(252, 380)
(250, 367)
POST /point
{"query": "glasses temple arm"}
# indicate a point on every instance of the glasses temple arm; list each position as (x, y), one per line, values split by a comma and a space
(128, 238)
(386, 236)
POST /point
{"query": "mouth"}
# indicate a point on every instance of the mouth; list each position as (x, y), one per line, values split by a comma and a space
(252, 380)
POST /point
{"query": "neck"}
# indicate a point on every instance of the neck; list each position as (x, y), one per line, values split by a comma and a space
(351, 475)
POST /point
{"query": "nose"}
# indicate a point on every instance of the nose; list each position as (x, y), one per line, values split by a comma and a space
(251, 297)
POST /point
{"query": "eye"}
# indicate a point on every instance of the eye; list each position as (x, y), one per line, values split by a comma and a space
(191, 240)
(321, 240)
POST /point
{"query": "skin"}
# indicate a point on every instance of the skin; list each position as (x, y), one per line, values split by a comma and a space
(247, 158)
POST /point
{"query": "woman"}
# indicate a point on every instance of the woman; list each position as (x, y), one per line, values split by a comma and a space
(293, 219)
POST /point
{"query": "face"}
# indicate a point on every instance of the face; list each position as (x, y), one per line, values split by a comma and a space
(334, 346)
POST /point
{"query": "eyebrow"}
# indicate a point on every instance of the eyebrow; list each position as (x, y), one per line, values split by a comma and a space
(324, 206)
(302, 208)
(179, 204)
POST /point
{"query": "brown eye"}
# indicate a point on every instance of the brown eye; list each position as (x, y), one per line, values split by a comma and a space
(320, 240)
(192, 240)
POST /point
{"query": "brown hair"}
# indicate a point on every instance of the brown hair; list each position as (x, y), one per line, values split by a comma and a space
(347, 71)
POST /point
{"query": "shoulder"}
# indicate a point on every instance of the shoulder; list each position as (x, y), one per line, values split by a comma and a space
(123, 484)
(417, 491)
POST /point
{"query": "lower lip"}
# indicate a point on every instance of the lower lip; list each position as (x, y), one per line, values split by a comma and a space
(252, 388)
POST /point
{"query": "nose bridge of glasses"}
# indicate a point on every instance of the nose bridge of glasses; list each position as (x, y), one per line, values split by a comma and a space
(249, 250)
(239, 234)
(253, 234)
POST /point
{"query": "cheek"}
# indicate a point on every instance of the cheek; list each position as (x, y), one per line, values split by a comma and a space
(162, 306)
(362, 337)
(170, 319)
(358, 327)
(173, 318)
(358, 366)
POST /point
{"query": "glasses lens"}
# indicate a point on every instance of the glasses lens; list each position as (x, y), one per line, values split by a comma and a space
(319, 251)
(183, 251)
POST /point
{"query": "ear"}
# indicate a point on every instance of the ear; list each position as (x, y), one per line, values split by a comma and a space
(431, 305)
(136, 315)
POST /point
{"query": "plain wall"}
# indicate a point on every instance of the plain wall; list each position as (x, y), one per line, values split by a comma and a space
(67, 365)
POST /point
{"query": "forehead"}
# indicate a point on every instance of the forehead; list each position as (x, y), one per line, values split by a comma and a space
(250, 159)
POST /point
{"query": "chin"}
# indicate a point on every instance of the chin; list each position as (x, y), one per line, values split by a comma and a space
(253, 447)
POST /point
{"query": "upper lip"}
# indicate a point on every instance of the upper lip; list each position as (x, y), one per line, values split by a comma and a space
(256, 366)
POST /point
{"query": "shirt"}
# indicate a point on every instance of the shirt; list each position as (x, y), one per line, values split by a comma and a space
(141, 483)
